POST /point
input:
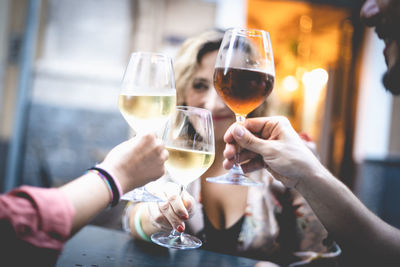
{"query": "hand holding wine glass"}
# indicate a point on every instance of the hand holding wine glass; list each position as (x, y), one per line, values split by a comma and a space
(189, 139)
(244, 77)
(146, 100)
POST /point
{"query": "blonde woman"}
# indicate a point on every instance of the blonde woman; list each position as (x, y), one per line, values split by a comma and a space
(269, 222)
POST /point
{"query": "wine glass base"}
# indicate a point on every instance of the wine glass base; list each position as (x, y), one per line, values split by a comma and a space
(180, 241)
(234, 179)
(141, 195)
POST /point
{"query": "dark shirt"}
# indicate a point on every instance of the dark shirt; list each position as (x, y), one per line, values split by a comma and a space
(221, 240)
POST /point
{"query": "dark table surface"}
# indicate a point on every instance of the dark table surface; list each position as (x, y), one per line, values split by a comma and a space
(95, 246)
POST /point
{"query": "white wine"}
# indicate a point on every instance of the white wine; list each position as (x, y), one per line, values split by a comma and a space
(146, 113)
(186, 165)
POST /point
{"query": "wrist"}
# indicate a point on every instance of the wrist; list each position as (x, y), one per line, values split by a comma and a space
(117, 175)
(112, 183)
(317, 175)
(138, 223)
(126, 217)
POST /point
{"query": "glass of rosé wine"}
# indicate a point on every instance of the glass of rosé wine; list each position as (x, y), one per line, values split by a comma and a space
(244, 76)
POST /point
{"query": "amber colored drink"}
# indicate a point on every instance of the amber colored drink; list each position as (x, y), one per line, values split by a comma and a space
(242, 90)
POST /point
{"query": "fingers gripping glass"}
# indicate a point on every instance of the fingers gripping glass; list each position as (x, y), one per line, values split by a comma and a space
(244, 76)
(189, 139)
(146, 100)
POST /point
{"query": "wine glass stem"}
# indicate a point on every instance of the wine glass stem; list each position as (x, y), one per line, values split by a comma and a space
(239, 119)
(182, 187)
(174, 233)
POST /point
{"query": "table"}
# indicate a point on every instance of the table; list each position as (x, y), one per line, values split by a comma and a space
(94, 246)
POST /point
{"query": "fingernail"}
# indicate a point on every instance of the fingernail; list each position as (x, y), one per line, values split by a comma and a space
(180, 228)
(184, 216)
(238, 131)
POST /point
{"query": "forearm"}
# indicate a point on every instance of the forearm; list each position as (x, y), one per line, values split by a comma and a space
(89, 195)
(347, 219)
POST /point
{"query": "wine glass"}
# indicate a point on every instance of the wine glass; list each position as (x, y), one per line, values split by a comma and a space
(189, 139)
(146, 100)
(243, 77)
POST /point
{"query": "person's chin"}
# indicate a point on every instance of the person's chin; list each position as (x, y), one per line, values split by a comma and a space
(221, 128)
(391, 79)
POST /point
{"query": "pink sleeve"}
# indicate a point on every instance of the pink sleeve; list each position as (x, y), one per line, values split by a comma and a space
(40, 216)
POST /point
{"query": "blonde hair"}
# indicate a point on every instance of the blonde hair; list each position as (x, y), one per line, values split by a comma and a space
(187, 62)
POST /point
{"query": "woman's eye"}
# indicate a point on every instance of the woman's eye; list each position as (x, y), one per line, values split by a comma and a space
(200, 86)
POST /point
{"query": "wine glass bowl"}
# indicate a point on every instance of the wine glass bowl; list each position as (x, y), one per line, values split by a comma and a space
(189, 139)
(146, 100)
(148, 96)
(229, 85)
(244, 76)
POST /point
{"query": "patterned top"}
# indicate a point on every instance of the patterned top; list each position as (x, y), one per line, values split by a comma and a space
(278, 225)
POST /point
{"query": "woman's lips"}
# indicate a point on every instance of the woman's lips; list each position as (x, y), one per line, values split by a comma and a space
(221, 117)
(388, 51)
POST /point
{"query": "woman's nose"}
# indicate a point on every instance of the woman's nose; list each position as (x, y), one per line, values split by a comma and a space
(214, 102)
(369, 12)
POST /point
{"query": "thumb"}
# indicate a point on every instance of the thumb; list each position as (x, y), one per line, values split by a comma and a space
(247, 140)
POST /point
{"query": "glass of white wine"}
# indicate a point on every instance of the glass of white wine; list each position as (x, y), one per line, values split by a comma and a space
(146, 100)
(189, 139)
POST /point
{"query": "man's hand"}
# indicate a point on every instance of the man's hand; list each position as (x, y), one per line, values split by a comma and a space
(270, 142)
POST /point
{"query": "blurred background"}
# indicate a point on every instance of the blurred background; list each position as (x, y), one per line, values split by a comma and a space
(61, 63)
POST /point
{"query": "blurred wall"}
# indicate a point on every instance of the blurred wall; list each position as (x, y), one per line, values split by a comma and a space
(4, 6)
(231, 13)
(13, 30)
(375, 104)
(12, 16)
(73, 119)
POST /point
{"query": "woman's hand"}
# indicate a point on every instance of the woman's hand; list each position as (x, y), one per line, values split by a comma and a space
(174, 211)
(271, 142)
(137, 161)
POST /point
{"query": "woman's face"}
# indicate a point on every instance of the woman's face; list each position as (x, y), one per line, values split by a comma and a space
(201, 93)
